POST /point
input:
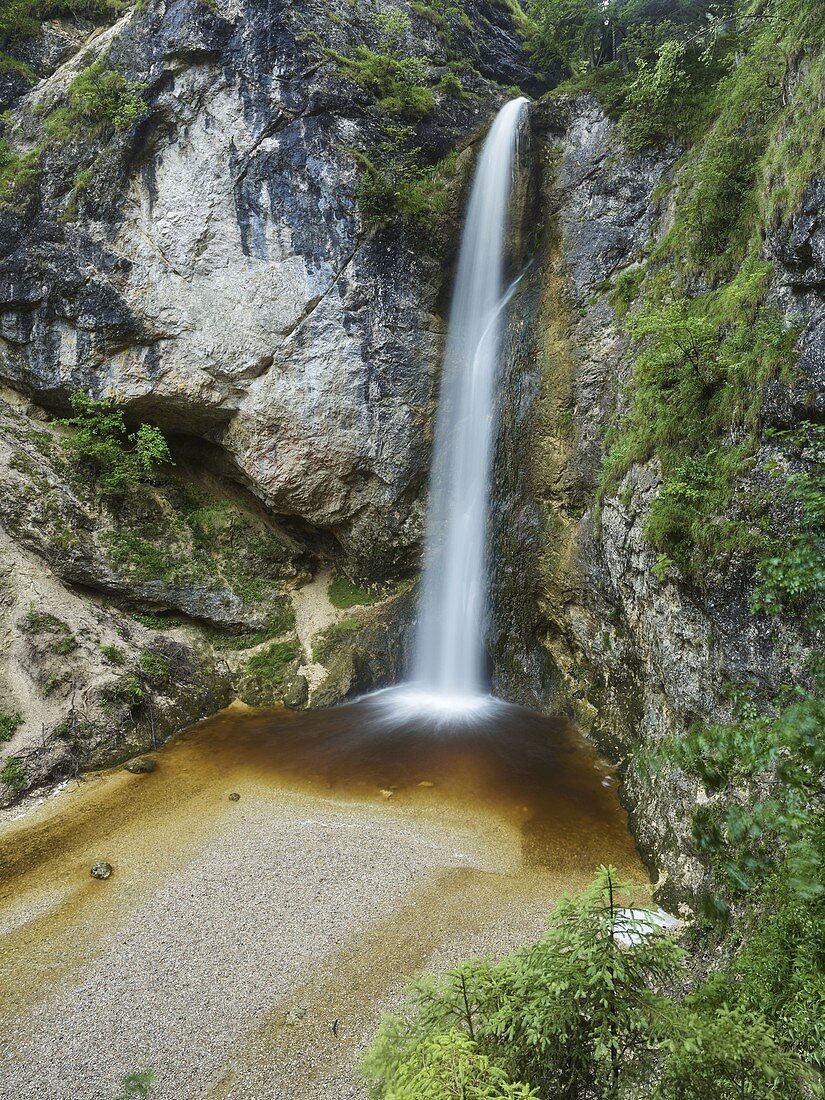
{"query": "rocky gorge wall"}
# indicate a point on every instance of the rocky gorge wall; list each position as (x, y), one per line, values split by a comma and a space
(220, 265)
(588, 622)
(200, 258)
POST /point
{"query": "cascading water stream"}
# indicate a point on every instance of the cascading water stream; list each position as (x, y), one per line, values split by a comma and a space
(449, 645)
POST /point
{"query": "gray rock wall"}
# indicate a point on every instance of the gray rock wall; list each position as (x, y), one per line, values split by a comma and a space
(631, 657)
(212, 273)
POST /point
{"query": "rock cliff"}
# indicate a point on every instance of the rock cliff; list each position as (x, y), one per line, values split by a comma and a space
(635, 652)
(183, 233)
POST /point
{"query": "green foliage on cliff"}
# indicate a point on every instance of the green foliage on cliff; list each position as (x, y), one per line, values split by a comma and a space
(99, 101)
(396, 184)
(273, 664)
(777, 971)
(118, 458)
(396, 76)
(761, 833)
(17, 172)
(12, 774)
(21, 19)
(709, 341)
(10, 722)
(344, 593)
(12, 65)
(771, 770)
(585, 1014)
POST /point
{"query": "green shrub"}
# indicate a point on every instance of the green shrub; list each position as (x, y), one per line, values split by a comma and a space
(701, 368)
(573, 1015)
(447, 1066)
(12, 65)
(20, 19)
(9, 724)
(397, 79)
(154, 621)
(12, 774)
(119, 459)
(271, 663)
(113, 654)
(395, 184)
(782, 755)
(99, 101)
(729, 1054)
(778, 971)
(791, 572)
(17, 172)
(129, 691)
(397, 83)
(42, 623)
(583, 1013)
(17, 21)
(653, 97)
(136, 1086)
(155, 668)
(142, 558)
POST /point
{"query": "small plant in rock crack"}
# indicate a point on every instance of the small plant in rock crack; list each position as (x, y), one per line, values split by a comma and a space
(9, 724)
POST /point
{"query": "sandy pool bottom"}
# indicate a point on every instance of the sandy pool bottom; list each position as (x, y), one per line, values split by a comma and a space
(247, 948)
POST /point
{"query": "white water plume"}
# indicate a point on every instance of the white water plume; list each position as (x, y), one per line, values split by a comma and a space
(449, 646)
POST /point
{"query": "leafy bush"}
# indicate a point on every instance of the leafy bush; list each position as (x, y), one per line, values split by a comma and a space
(17, 21)
(145, 559)
(729, 1054)
(99, 101)
(653, 96)
(12, 774)
(136, 1086)
(155, 668)
(271, 663)
(701, 369)
(791, 573)
(448, 1066)
(783, 758)
(17, 172)
(21, 19)
(396, 184)
(113, 654)
(397, 79)
(39, 622)
(128, 691)
(9, 724)
(120, 459)
(573, 1015)
(582, 1014)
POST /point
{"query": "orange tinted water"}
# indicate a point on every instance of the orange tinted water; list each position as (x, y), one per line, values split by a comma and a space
(531, 808)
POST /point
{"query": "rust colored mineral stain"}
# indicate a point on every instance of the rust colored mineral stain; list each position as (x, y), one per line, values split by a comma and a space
(531, 777)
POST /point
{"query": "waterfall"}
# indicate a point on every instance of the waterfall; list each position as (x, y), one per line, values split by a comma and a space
(449, 644)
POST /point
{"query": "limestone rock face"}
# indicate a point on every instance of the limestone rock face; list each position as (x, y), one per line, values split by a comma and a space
(207, 267)
(216, 275)
(634, 654)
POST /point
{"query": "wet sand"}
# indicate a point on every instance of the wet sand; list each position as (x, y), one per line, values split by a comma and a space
(247, 948)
